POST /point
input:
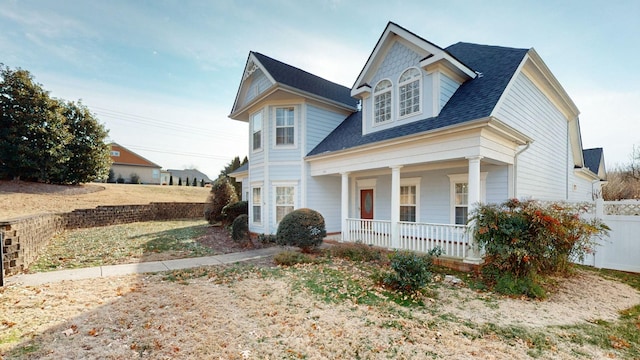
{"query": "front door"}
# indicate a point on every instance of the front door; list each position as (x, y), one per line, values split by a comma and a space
(366, 204)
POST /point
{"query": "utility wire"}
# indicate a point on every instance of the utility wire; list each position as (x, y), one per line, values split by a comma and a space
(214, 157)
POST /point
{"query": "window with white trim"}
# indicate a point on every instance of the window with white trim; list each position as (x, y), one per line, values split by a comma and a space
(256, 131)
(382, 102)
(461, 203)
(409, 199)
(256, 205)
(285, 126)
(459, 184)
(408, 203)
(409, 92)
(285, 201)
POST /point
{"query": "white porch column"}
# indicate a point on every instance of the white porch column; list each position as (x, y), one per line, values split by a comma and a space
(395, 206)
(473, 256)
(344, 208)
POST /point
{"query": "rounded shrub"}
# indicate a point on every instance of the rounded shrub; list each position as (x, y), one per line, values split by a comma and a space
(411, 271)
(233, 210)
(240, 229)
(304, 228)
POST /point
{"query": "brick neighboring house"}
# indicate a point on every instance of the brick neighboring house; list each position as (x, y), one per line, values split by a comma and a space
(127, 163)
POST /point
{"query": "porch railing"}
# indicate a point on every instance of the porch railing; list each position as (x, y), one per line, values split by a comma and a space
(421, 237)
(370, 232)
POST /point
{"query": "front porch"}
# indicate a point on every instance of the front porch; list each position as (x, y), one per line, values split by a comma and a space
(454, 240)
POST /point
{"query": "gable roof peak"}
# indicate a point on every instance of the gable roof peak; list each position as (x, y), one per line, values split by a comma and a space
(431, 54)
(282, 75)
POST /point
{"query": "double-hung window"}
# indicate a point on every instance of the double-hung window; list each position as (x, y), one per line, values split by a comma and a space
(256, 203)
(409, 199)
(408, 203)
(382, 102)
(285, 128)
(409, 92)
(256, 131)
(460, 196)
(461, 203)
(285, 201)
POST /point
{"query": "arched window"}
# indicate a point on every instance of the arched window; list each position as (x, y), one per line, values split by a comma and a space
(409, 85)
(382, 102)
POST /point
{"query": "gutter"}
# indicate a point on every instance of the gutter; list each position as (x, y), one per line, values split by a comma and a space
(515, 168)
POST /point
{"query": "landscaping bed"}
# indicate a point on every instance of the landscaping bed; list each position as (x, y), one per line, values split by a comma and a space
(329, 308)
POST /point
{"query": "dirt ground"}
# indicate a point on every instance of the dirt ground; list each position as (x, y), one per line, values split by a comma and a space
(18, 198)
(255, 316)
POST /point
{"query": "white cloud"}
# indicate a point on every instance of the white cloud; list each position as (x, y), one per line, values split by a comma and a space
(609, 119)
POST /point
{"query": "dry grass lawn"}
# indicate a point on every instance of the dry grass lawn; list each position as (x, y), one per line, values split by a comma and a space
(330, 310)
(20, 198)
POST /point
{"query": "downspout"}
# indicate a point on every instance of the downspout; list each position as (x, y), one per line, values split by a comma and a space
(515, 168)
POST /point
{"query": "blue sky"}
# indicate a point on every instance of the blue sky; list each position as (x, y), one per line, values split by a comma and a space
(162, 75)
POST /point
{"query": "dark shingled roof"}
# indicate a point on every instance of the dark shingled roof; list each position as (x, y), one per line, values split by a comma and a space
(300, 79)
(242, 168)
(474, 99)
(592, 159)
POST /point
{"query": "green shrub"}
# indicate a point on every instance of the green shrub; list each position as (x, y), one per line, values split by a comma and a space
(411, 271)
(240, 229)
(135, 178)
(303, 228)
(290, 258)
(267, 238)
(525, 241)
(507, 284)
(356, 252)
(222, 194)
(233, 210)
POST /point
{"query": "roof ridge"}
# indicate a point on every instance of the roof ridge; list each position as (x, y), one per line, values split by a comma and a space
(298, 69)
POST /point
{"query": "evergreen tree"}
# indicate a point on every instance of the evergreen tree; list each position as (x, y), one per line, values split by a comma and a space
(195, 182)
(187, 182)
(170, 179)
(179, 181)
(44, 139)
(201, 182)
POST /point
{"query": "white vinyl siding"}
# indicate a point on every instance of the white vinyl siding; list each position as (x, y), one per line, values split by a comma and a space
(259, 83)
(448, 87)
(542, 169)
(324, 122)
(323, 195)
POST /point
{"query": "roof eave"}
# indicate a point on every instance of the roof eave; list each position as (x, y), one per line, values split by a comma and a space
(491, 122)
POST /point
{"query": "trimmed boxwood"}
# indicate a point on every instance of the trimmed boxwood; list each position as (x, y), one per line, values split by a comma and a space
(304, 228)
(233, 210)
(240, 229)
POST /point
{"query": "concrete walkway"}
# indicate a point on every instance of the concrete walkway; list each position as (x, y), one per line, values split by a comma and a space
(138, 268)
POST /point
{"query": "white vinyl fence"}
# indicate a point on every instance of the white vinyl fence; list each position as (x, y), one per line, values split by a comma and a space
(621, 249)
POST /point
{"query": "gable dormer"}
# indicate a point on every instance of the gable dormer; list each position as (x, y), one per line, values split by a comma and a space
(405, 79)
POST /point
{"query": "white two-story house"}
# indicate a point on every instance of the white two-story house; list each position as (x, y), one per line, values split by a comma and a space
(424, 134)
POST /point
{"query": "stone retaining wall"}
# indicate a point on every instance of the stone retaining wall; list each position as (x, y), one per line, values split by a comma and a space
(24, 238)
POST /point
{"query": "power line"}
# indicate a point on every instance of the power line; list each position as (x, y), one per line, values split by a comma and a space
(213, 157)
